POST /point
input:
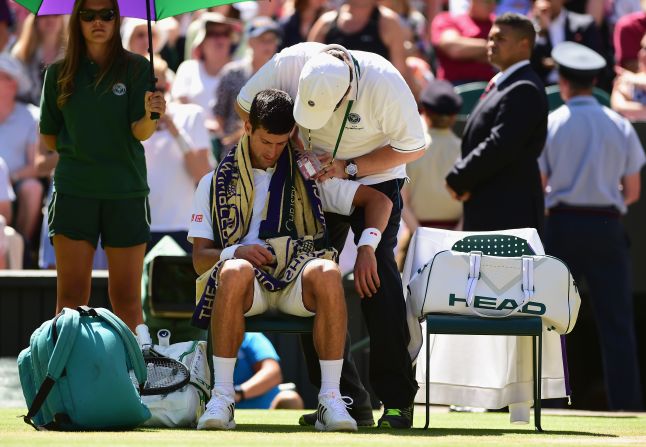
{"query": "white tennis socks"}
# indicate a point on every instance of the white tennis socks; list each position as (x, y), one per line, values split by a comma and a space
(330, 376)
(223, 375)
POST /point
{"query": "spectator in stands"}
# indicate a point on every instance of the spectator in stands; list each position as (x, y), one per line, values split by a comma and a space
(6, 22)
(365, 26)
(134, 35)
(263, 38)
(427, 202)
(554, 25)
(19, 135)
(41, 42)
(627, 39)
(257, 375)
(176, 159)
(6, 197)
(460, 43)
(629, 92)
(298, 24)
(197, 79)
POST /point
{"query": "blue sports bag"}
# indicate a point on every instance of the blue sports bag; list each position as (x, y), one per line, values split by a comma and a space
(79, 373)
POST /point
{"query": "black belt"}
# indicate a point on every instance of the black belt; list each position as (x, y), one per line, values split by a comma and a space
(605, 211)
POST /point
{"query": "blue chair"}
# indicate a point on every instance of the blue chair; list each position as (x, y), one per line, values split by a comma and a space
(473, 325)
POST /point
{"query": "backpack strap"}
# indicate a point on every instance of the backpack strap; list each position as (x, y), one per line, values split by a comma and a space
(63, 347)
(129, 341)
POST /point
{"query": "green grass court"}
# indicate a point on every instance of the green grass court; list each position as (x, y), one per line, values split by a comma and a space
(278, 428)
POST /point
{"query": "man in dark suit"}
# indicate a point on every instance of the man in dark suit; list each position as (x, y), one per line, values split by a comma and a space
(555, 24)
(498, 178)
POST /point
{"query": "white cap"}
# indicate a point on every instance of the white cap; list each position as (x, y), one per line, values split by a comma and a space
(322, 84)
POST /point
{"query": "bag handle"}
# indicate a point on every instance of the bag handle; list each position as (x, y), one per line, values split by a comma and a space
(64, 343)
(132, 347)
(527, 283)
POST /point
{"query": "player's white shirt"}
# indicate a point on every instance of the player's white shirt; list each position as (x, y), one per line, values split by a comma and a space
(336, 197)
(385, 111)
(171, 186)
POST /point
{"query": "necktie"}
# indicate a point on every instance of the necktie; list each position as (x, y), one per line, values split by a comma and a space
(489, 86)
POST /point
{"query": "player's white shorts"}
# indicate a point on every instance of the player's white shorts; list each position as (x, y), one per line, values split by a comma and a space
(289, 300)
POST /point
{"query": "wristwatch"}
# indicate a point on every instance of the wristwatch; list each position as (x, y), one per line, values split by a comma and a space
(351, 169)
(238, 390)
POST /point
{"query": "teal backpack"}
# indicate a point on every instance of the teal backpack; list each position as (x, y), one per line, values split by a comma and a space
(76, 373)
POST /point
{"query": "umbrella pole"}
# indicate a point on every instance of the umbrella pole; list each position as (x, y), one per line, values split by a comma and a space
(153, 79)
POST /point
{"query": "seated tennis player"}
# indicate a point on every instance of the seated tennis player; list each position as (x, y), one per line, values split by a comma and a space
(259, 242)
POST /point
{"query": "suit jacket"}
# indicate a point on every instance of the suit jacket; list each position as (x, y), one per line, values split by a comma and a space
(502, 140)
(579, 28)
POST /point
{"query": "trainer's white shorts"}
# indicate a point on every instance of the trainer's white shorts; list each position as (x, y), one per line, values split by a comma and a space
(289, 300)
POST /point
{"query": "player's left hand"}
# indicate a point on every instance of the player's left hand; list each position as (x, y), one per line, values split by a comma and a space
(155, 102)
(366, 278)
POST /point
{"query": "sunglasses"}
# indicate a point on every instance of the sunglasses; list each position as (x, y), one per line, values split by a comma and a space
(89, 15)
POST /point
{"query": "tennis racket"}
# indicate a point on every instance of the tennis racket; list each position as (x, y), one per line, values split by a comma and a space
(163, 374)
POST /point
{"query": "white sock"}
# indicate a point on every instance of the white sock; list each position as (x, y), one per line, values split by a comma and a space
(330, 375)
(223, 375)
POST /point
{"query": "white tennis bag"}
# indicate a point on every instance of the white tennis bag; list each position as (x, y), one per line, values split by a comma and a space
(183, 407)
(497, 287)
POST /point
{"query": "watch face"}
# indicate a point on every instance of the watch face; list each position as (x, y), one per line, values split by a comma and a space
(351, 169)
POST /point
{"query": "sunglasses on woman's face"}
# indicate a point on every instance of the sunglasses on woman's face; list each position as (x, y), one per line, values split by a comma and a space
(89, 15)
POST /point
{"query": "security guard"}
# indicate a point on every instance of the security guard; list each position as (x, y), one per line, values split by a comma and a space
(591, 170)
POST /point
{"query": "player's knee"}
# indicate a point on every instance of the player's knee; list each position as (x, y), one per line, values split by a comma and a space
(323, 273)
(236, 273)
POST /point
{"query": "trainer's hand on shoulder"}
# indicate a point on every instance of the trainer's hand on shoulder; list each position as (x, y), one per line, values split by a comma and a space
(256, 254)
(155, 102)
(366, 279)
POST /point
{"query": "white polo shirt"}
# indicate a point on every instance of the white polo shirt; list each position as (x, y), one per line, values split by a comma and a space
(336, 197)
(385, 111)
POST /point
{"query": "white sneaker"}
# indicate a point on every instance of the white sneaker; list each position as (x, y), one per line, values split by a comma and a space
(219, 414)
(332, 413)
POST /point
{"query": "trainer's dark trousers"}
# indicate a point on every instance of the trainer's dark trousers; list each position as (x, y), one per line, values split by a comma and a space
(596, 248)
(391, 372)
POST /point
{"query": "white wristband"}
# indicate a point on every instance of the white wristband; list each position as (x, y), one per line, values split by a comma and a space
(182, 141)
(229, 252)
(370, 236)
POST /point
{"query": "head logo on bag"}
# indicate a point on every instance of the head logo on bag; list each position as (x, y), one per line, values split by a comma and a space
(491, 303)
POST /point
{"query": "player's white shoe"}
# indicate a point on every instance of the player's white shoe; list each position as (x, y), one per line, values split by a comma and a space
(219, 414)
(332, 413)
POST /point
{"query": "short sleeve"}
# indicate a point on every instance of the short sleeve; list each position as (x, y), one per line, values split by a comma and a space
(401, 121)
(139, 85)
(182, 80)
(51, 117)
(257, 348)
(197, 130)
(337, 195)
(636, 157)
(201, 225)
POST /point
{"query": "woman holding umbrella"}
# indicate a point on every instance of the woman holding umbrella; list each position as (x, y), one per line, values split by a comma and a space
(95, 111)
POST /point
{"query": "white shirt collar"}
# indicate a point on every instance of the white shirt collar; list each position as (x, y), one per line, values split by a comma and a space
(500, 77)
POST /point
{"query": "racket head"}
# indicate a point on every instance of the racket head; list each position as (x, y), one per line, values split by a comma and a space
(164, 374)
